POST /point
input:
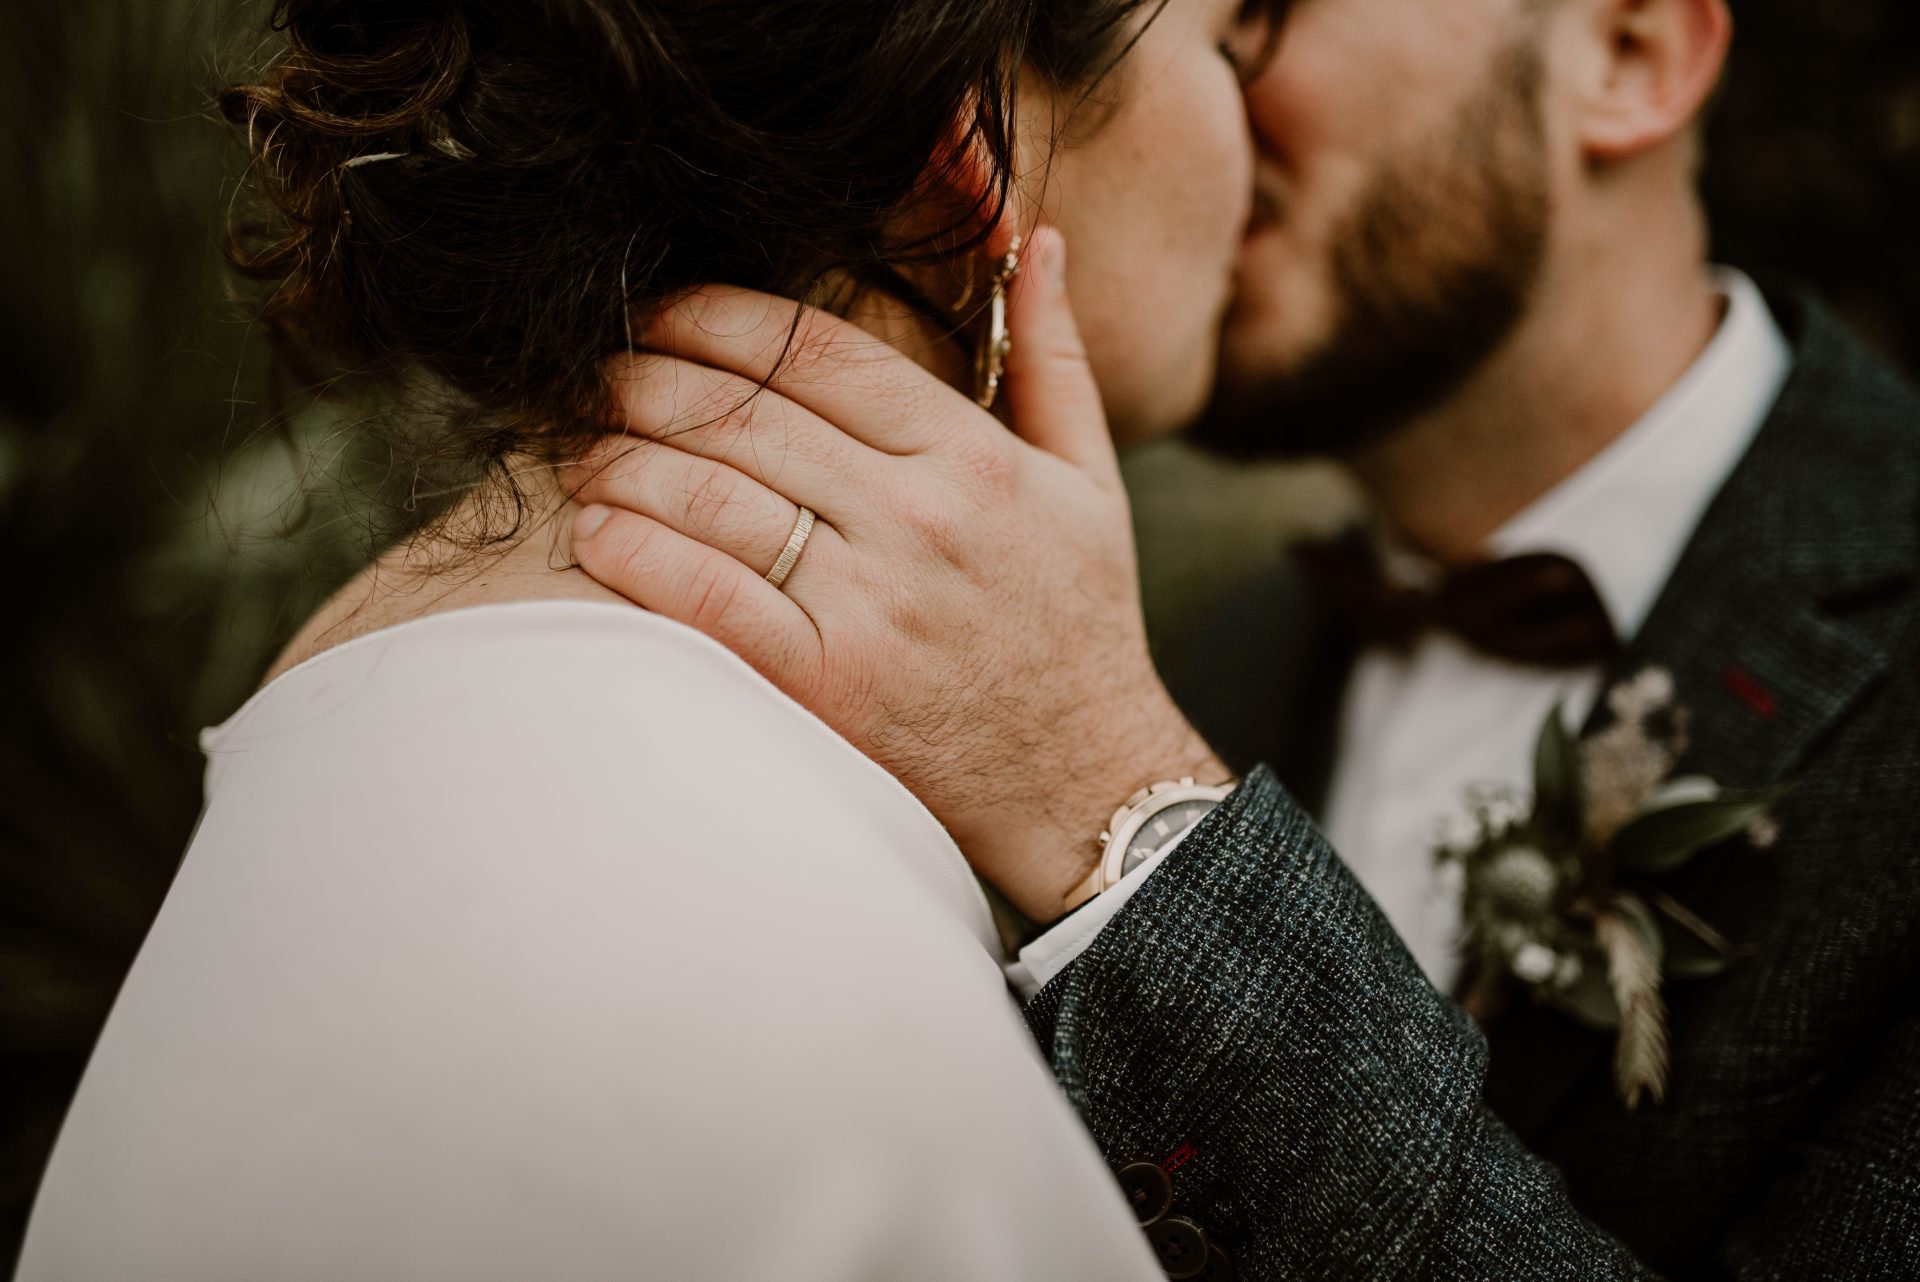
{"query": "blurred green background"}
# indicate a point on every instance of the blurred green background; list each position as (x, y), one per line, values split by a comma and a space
(158, 548)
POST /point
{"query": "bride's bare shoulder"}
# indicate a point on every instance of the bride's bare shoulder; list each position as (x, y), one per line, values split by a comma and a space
(413, 581)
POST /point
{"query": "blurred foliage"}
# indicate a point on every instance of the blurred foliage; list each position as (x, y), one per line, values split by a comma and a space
(157, 550)
(1814, 157)
(142, 504)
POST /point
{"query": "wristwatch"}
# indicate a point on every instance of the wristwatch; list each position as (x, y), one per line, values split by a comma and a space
(1144, 826)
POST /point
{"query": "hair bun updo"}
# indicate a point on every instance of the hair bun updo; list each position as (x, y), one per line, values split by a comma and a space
(483, 198)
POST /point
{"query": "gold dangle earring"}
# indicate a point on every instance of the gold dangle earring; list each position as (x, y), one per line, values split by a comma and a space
(990, 357)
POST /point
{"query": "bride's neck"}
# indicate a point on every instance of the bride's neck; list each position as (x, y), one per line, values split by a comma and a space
(450, 568)
(453, 567)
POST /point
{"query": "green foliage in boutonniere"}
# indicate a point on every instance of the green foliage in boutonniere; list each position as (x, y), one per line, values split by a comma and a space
(1560, 890)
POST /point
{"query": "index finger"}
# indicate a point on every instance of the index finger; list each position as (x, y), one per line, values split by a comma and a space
(830, 366)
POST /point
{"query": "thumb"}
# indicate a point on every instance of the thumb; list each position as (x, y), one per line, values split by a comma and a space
(1052, 401)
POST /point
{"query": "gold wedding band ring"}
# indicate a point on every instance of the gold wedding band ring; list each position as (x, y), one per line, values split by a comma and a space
(796, 544)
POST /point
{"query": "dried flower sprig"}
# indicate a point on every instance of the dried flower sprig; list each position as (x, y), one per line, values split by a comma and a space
(1559, 889)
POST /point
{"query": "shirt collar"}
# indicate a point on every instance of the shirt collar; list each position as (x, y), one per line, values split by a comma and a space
(1627, 515)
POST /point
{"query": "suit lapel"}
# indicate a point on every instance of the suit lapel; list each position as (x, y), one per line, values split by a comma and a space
(1778, 619)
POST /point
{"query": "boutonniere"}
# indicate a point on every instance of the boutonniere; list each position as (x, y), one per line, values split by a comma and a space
(1560, 890)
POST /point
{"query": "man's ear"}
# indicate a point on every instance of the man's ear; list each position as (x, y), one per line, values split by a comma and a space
(1659, 63)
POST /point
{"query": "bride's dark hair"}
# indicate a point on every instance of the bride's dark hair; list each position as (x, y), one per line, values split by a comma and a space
(482, 198)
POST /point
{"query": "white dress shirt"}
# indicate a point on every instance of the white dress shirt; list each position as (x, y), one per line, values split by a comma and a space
(1419, 729)
(550, 941)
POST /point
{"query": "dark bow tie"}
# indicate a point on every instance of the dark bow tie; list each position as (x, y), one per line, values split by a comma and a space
(1540, 610)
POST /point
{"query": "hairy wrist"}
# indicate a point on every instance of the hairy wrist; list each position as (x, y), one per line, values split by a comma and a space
(1037, 859)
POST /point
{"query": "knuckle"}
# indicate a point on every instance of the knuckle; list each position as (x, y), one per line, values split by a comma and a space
(754, 418)
(704, 500)
(692, 404)
(604, 472)
(936, 529)
(710, 596)
(798, 344)
(825, 348)
(725, 413)
(985, 464)
(944, 537)
(632, 556)
(647, 395)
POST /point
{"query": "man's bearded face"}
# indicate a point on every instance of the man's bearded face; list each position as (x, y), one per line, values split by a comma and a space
(1335, 339)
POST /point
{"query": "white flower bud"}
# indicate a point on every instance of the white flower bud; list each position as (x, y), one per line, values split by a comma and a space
(1520, 882)
(1535, 964)
(1505, 811)
(1684, 791)
(1640, 698)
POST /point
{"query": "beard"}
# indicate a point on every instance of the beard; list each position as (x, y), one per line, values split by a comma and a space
(1432, 271)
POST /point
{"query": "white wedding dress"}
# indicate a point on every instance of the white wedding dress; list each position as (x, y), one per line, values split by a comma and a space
(548, 941)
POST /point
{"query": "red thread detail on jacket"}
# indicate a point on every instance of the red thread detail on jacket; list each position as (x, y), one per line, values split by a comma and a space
(1751, 692)
(1179, 1158)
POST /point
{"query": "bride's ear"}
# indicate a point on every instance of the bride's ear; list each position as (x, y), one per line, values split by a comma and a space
(965, 193)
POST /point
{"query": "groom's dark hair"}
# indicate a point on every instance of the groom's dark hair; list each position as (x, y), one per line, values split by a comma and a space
(481, 200)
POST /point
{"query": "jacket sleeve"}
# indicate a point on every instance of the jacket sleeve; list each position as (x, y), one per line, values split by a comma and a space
(1251, 1016)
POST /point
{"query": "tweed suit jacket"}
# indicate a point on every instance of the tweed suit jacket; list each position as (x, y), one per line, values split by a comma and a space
(1251, 1012)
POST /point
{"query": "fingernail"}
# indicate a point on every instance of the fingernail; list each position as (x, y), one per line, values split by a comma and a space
(591, 518)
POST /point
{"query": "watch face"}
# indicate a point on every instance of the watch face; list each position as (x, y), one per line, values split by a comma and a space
(1161, 829)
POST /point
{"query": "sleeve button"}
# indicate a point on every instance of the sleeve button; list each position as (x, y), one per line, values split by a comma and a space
(1148, 1189)
(1180, 1245)
(1219, 1266)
